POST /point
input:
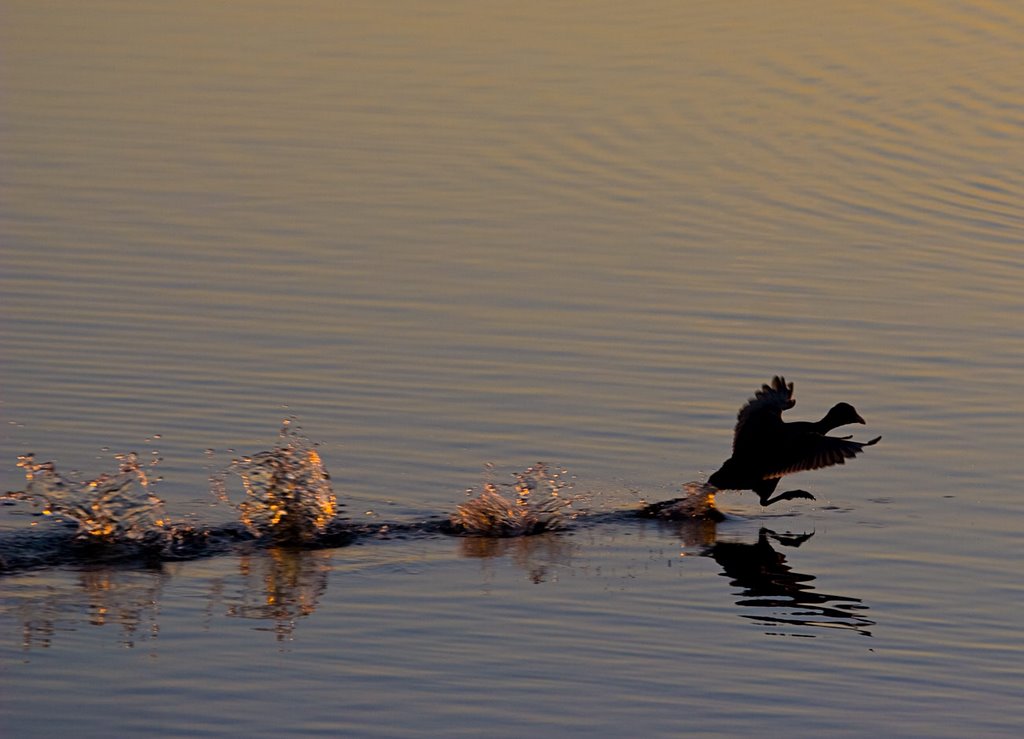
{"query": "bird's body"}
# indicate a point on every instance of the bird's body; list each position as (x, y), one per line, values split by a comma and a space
(765, 448)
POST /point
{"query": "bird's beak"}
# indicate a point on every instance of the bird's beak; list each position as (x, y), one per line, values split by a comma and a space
(860, 420)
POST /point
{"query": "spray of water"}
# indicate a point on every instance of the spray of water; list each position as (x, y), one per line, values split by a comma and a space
(536, 503)
(288, 494)
(697, 503)
(115, 507)
(288, 499)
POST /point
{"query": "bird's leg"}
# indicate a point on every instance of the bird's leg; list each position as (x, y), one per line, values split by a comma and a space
(788, 495)
(765, 488)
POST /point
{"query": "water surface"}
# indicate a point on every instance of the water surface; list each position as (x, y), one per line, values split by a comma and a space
(455, 235)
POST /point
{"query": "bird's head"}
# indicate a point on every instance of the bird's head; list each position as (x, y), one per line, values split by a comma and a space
(842, 414)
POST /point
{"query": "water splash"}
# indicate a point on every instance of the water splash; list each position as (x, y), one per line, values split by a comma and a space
(288, 494)
(539, 497)
(112, 508)
(697, 502)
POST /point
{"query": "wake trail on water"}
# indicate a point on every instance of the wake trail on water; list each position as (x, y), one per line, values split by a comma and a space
(287, 499)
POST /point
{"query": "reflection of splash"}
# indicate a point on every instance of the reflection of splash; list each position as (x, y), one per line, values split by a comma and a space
(697, 502)
(787, 596)
(536, 555)
(133, 606)
(103, 596)
(540, 497)
(288, 490)
(281, 585)
(694, 532)
(112, 508)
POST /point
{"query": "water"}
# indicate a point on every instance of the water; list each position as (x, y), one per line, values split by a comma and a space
(535, 504)
(456, 236)
(288, 493)
(111, 507)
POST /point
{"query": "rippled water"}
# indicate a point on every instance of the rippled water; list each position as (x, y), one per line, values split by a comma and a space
(456, 239)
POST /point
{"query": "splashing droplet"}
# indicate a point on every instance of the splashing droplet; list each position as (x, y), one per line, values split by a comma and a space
(539, 498)
(114, 507)
(288, 493)
(697, 502)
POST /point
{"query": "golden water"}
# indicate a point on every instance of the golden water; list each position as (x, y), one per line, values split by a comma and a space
(462, 233)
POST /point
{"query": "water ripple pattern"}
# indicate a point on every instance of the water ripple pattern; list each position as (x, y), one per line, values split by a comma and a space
(453, 234)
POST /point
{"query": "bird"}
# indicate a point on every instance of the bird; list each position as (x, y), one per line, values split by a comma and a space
(766, 448)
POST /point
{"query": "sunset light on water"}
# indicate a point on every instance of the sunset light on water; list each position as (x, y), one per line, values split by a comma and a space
(509, 273)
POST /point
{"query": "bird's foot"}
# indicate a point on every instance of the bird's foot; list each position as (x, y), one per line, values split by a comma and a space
(788, 539)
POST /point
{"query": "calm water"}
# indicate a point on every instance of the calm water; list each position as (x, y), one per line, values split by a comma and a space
(450, 235)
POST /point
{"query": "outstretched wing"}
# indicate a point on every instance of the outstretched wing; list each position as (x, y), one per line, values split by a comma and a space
(763, 413)
(817, 451)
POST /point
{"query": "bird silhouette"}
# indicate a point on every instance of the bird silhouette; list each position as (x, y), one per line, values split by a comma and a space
(766, 448)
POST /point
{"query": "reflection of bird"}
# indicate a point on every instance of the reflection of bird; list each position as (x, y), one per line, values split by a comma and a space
(765, 447)
(768, 582)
